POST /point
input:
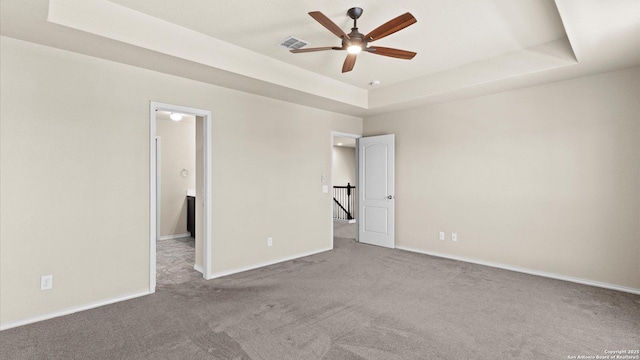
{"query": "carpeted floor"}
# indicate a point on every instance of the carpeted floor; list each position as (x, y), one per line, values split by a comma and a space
(355, 302)
(174, 261)
(342, 229)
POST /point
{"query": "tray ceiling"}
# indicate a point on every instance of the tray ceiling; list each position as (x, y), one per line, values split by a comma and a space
(465, 48)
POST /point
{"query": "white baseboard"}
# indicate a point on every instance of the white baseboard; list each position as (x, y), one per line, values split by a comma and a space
(72, 310)
(525, 271)
(198, 268)
(256, 266)
(173, 237)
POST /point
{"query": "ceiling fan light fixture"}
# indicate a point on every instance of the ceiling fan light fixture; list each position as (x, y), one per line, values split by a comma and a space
(354, 49)
(355, 42)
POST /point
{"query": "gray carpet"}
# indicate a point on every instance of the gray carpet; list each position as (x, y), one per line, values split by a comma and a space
(174, 261)
(355, 302)
(342, 229)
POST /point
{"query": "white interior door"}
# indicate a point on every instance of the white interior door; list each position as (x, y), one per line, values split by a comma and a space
(376, 190)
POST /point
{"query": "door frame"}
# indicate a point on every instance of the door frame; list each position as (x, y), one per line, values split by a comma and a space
(353, 136)
(153, 193)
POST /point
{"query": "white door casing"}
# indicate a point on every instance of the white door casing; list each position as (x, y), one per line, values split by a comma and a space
(376, 162)
(206, 191)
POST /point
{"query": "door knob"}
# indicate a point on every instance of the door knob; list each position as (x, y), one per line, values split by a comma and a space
(390, 197)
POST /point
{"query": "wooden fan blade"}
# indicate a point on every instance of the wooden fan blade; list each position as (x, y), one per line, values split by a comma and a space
(327, 23)
(396, 53)
(349, 62)
(391, 26)
(315, 49)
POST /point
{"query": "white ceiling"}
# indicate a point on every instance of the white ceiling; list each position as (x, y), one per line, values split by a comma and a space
(465, 48)
(447, 35)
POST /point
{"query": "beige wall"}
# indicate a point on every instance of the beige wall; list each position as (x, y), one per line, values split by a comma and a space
(274, 185)
(344, 166)
(545, 178)
(74, 183)
(177, 152)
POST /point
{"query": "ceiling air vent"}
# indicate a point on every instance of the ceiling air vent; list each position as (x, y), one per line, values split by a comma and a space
(292, 43)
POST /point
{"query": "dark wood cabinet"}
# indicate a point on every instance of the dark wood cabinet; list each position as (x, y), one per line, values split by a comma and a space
(191, 215)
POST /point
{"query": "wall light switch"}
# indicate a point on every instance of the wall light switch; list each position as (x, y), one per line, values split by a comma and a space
(441, 235)
(454, 237)
(322, 179)
(269, 241)
(325, 188)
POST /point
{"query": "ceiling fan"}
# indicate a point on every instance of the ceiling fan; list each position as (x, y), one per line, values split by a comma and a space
(355, 42)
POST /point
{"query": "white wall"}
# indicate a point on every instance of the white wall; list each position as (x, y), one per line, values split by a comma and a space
(178, 152)
(344, 166)
(545, 178)
(74, 184)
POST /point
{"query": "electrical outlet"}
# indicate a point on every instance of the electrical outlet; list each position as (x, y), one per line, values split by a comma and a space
(46, 282)
(441, 235)
(269, 241)
(454, 237)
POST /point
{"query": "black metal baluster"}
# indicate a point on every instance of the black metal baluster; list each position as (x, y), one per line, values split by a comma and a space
(349, 217)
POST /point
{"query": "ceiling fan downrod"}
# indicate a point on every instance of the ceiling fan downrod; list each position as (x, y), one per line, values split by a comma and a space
(355, 14)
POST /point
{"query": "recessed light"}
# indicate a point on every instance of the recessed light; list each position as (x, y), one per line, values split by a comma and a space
(339, 144)
(175, 117)
(375, 83)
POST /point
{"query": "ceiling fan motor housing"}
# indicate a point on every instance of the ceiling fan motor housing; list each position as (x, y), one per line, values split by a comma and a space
(355, 38)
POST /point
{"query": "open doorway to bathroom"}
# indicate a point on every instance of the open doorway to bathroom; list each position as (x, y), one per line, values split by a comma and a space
(344, 191)
(180, 194)
(177, 175)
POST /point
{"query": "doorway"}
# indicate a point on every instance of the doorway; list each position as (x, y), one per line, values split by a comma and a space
(176, 186)
(344, 177)
(180, 193)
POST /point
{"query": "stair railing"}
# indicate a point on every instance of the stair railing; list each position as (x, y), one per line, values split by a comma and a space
(344, 202)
